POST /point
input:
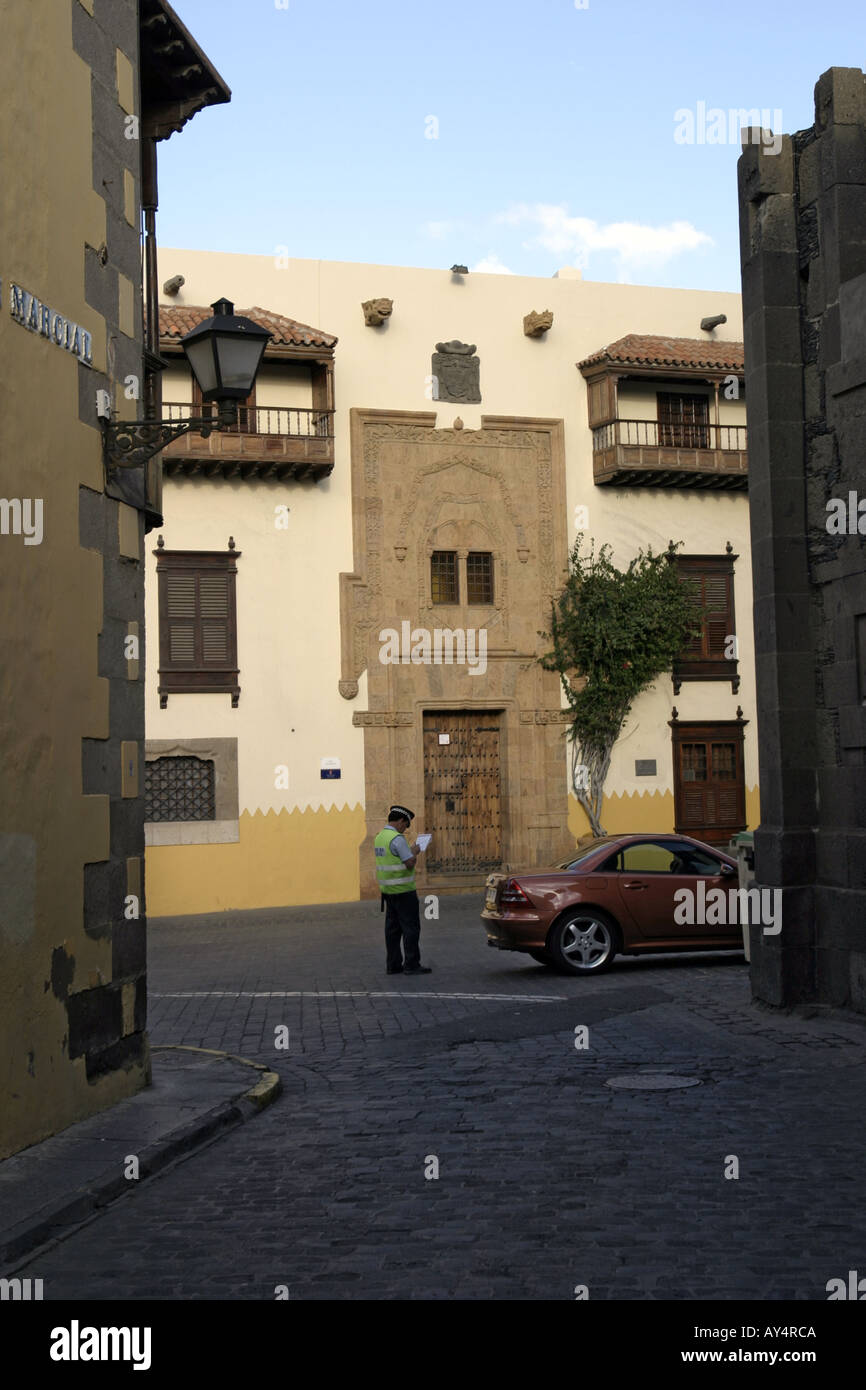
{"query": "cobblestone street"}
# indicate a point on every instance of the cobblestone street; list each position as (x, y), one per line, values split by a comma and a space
(549, 1178)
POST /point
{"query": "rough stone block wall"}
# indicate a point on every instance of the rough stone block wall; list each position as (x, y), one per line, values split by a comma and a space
(105, 1027)
(803, 252)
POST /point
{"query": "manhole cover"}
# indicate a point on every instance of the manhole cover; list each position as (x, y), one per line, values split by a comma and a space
(655, 1082)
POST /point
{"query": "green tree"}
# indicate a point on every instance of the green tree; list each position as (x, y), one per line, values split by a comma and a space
(613, 632)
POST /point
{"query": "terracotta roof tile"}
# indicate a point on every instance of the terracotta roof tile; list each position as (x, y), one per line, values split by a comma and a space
(176, 320)
(645, 350)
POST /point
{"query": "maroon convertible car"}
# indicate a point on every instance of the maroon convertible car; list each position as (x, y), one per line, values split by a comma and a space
(622, 894)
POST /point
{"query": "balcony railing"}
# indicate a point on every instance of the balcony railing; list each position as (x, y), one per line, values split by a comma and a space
(267, 419)
(654, 435)
(266, 441)
(655, 453)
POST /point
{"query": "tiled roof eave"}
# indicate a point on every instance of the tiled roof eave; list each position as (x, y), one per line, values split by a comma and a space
(651, 354)
(601, 365)
(289, 336)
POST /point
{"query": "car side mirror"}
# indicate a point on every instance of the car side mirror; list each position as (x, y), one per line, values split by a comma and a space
(728, 870)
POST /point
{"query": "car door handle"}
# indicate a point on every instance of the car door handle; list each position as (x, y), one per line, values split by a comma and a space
(634, 885)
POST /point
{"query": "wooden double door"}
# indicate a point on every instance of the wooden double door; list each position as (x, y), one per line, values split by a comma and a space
(463, 791)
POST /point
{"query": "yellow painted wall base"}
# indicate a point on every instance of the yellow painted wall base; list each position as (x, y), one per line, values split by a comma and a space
(638, 811)
(282, 859)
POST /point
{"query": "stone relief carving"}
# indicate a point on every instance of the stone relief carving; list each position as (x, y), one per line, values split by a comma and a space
(473, 472)
(376, 311)
(391, 719)
(536, 325)
(457, 372)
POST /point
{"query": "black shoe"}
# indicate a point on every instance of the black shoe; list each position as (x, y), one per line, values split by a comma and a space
(394, 970)
(417, 970)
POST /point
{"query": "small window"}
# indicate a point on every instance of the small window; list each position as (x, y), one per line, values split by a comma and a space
(197, 622)
(443, 576)
(179, 789)
(479, 577)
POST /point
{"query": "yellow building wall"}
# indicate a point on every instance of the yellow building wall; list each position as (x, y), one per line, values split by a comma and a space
(285, 857)
(50, 693)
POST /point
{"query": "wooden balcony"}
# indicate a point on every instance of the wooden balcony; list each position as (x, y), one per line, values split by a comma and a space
(267, 442)
(643, 453)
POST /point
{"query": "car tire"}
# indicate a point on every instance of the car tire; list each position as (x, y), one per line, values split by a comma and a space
(541, 956)
(584, 942)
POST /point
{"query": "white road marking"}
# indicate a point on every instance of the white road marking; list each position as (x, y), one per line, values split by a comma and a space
(351, 994)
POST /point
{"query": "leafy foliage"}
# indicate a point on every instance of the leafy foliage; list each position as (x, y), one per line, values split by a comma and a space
(613, 632)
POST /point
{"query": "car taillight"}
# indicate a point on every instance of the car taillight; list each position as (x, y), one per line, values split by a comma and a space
(513, 893)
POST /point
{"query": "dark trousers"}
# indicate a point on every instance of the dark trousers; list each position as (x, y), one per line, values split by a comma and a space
(402, 922)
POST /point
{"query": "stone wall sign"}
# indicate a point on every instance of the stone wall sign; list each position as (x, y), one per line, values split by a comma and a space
(457, 373)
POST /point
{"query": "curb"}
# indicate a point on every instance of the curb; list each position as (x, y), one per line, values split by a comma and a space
(54, 1221)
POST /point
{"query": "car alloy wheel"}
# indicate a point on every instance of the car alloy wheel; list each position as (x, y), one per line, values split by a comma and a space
(584, 943)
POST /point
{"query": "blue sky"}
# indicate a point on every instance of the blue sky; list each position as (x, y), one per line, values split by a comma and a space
(554, 130)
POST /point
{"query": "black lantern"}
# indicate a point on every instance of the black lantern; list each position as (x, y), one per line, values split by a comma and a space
(224, 353)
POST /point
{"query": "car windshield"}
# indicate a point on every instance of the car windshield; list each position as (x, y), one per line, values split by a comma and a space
(583, 853)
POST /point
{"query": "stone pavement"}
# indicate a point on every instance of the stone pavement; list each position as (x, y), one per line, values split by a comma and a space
(60, 1182)
(548, 1178)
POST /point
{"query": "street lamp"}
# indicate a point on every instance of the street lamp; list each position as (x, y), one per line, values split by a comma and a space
(224, 353)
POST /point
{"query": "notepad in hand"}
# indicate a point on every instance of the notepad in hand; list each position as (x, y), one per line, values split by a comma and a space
(423, 842)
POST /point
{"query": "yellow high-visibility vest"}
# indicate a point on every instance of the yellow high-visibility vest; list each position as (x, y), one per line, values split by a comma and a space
(391, 872)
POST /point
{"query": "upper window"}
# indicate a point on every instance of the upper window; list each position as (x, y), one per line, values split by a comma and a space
(443, 576)
(683, 421)
(479, 577)
(197, 622)
(712, 653)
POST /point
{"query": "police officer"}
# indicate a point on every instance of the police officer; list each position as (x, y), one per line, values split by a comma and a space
(395, 865)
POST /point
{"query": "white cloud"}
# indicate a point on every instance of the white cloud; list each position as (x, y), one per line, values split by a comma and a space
(635, 244)
(491, 265)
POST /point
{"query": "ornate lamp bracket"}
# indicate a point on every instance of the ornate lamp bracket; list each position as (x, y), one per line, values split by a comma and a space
(130, 443)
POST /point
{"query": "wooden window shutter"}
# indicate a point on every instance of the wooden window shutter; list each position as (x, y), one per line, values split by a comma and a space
(709, 582)
(197, 622)
(718, 619)
(180, 616)
(601, 400)
(695, 591)
(213, 608)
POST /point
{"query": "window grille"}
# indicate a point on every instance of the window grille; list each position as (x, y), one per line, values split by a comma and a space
(179, 789)
(479, 577)
(443, 576)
